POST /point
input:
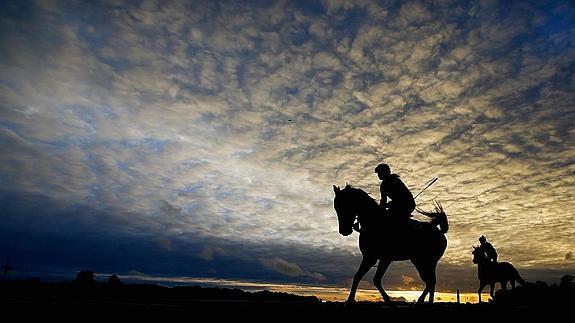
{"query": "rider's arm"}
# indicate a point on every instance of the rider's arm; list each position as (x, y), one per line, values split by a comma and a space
(383, 200)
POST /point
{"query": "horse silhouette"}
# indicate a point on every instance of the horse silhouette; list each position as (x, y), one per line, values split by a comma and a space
(379, 239)
(490, 272)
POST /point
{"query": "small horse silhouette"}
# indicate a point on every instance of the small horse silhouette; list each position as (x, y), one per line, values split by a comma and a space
(490, 273)
(379, 239)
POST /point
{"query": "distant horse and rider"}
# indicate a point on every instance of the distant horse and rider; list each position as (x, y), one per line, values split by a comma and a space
(490, 272)
(387, 232)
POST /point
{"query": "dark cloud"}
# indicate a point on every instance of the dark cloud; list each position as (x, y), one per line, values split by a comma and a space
(290, 269)
(208, 252)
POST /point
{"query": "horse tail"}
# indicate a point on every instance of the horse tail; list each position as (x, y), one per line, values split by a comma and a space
(442, 222)
(438, 217)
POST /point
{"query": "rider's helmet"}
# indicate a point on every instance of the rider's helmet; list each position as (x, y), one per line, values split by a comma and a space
(383, 168)
(482, 239)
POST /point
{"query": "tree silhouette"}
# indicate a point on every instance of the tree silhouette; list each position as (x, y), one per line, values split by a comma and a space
(567, 281)
(85, 278)
(114, 281)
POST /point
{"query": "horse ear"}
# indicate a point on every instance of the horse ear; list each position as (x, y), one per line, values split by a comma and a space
(336, 189)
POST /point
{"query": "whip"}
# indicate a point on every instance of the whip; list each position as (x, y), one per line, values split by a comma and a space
(428, 185)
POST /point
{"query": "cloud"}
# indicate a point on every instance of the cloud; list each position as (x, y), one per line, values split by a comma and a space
(208, 253)
(290, 269)
(166, 244)
(407, 279)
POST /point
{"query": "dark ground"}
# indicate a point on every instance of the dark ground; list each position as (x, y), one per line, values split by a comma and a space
(96, 302)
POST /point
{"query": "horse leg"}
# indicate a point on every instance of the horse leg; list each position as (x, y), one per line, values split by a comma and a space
(427, 273)
(512, 282)
(432, 281)
(481, 286)
(381, 268)
(364, 267)
(504, 285)
(491, 289)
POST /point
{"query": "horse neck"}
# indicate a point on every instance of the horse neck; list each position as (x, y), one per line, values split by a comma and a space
(483, 265)
(366, 213)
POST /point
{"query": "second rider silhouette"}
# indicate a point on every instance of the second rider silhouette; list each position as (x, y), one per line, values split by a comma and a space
(488, 249)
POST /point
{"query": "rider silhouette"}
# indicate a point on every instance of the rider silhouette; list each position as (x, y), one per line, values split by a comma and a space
(488, 249)
(402, 202)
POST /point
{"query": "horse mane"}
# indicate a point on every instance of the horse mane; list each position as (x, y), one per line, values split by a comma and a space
(359, 194)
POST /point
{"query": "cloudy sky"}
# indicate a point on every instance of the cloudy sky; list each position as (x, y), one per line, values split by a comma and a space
(199, 140)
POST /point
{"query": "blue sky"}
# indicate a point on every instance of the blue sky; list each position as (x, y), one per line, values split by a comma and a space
(202, 138)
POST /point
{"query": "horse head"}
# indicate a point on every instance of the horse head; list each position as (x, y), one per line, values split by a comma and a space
(343, 205)
(352, 203)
